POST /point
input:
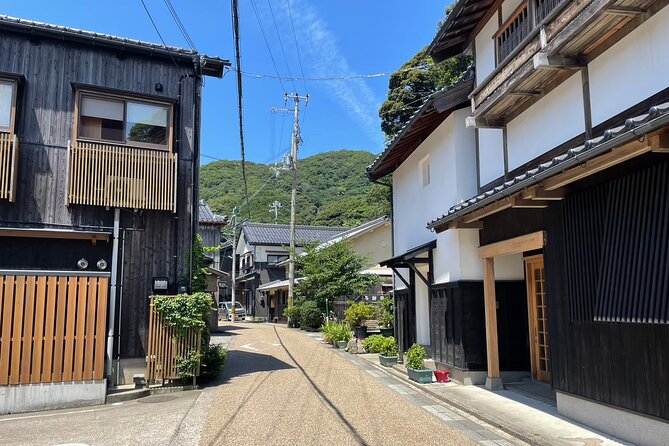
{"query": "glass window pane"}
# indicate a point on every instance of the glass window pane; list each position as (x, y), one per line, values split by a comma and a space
(6, 96)
(101, 119)
(147, 123)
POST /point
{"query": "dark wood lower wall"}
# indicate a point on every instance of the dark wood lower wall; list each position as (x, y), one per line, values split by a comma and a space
(457, 325)
(621, 219)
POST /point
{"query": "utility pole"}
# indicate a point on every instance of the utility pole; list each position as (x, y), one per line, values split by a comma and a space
(234, 263)
(293, 195)
(274, 208)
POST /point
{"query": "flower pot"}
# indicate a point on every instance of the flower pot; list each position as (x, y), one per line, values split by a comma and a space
(360, 332)
(387, 331)
(342, 344)
(420, 376)
(442, 376)
(387, 361)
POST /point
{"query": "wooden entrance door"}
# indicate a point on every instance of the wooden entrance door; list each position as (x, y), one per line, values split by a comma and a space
(538, 317)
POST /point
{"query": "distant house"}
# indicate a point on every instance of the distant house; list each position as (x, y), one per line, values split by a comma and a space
(260, 250)
(372, 240)
(99, 159)
(209, 229)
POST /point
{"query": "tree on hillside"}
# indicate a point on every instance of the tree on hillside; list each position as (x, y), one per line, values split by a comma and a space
(412, 83)
(332, 272)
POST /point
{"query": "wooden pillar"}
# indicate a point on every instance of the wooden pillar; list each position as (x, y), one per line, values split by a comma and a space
(493, 382)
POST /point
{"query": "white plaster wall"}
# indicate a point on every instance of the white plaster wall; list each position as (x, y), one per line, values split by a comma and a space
(422, 310)
(451, 148)
(485, 49)
(553, 120)
(456, 256)
(511, 267)
(375, 244)
(491, 155)
(632, 70)
(508, 7)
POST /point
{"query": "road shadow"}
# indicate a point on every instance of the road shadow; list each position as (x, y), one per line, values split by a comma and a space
(240, 363)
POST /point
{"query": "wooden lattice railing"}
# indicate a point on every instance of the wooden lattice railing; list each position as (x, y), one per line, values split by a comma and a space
(120, 176)
(53, 327)
(513, 31)
(166, 345)
(9, 164)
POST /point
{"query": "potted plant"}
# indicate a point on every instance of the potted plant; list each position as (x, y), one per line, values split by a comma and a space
(388, 353)
(415, 367)
(387, 319)
(342, 334)
(374, 343)
(356, 315)
(329, 331)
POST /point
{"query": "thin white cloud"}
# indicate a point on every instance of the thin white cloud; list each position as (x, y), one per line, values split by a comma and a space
(322, 57)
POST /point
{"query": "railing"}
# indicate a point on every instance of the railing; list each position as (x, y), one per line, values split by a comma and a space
(53, 327)
(166, 345)
(544, 8)
(119, 176)
(9, 163)
(513, 31)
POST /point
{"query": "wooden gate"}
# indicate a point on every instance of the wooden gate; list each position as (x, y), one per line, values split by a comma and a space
(53, 326)
(166, 345)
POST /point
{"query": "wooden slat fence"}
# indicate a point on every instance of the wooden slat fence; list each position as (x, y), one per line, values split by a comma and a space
(53, 327)
(166, 345)
(119, 176)
(9, 157)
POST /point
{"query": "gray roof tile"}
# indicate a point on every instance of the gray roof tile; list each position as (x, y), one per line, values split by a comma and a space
(279, 235)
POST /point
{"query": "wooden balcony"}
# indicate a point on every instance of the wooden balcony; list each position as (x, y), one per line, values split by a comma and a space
(541, 45)
(9, 164)
(120, 176)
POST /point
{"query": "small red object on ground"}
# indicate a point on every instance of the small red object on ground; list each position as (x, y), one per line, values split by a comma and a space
(442, 376)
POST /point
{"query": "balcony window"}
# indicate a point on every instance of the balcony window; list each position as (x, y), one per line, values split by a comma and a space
(7, 105)
(124, 121)
(274, 259)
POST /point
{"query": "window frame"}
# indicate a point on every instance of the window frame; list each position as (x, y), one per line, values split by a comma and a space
(277, 254)
(12, 114)
(422, 165)
(85, 93)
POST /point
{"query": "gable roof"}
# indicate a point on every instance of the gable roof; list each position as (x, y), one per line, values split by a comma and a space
(279, 235)
(436, 108)
(211, 66)
(633, 128)
(207, 216)
(456, 33)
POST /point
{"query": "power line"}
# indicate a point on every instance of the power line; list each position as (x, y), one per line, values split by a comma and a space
(235, 19)
(158, 32)
(297, 47)
(331, 78)
(180, 25)
(264, 36)
(278, 35)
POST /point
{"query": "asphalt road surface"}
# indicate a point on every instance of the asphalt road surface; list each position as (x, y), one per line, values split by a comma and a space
(282, 388)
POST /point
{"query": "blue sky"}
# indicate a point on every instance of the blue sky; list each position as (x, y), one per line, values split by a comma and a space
(335, 38)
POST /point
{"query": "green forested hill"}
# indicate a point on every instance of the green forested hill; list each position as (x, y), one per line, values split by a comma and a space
(333, 190)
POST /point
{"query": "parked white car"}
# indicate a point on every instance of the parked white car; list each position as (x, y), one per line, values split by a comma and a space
(225, 311)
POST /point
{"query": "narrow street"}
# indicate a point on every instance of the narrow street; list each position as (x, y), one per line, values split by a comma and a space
(283, 386)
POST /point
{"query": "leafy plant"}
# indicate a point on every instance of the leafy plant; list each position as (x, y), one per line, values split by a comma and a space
(212, 361)
(329, 331)
(336, 331)
(185, 311)
(200, 272)
(293, 315)
(186, 366)
(415, 356)
(332, 272)
(388, 347)
(374, 343)
(310, 315)
(357, 313)
(387, 317)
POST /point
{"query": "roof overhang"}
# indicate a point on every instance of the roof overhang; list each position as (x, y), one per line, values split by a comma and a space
(412, 256)
(534, 188)
(427, 118)
(459, 28)
(55, 234)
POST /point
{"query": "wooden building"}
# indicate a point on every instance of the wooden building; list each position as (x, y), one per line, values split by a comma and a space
(570, 116)
(99, 156)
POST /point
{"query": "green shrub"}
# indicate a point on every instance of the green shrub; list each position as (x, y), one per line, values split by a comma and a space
(388, 347)
(415, 357)
(329, 331)
(373, 343)
(293, 315)
(387, 318)
(185, 311)
(357, 313)
(310, 315)
(213, 359)
(186, 366)
(343, 332)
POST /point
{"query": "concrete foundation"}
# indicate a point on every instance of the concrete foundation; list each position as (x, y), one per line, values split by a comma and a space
(479, 378)
(625, 425)
(129, 367)
(33, 397)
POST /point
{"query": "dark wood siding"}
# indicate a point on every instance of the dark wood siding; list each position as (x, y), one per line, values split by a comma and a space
(405, 318)
(624, 364)
(156, 243)
(510, 223)
(458, 325)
